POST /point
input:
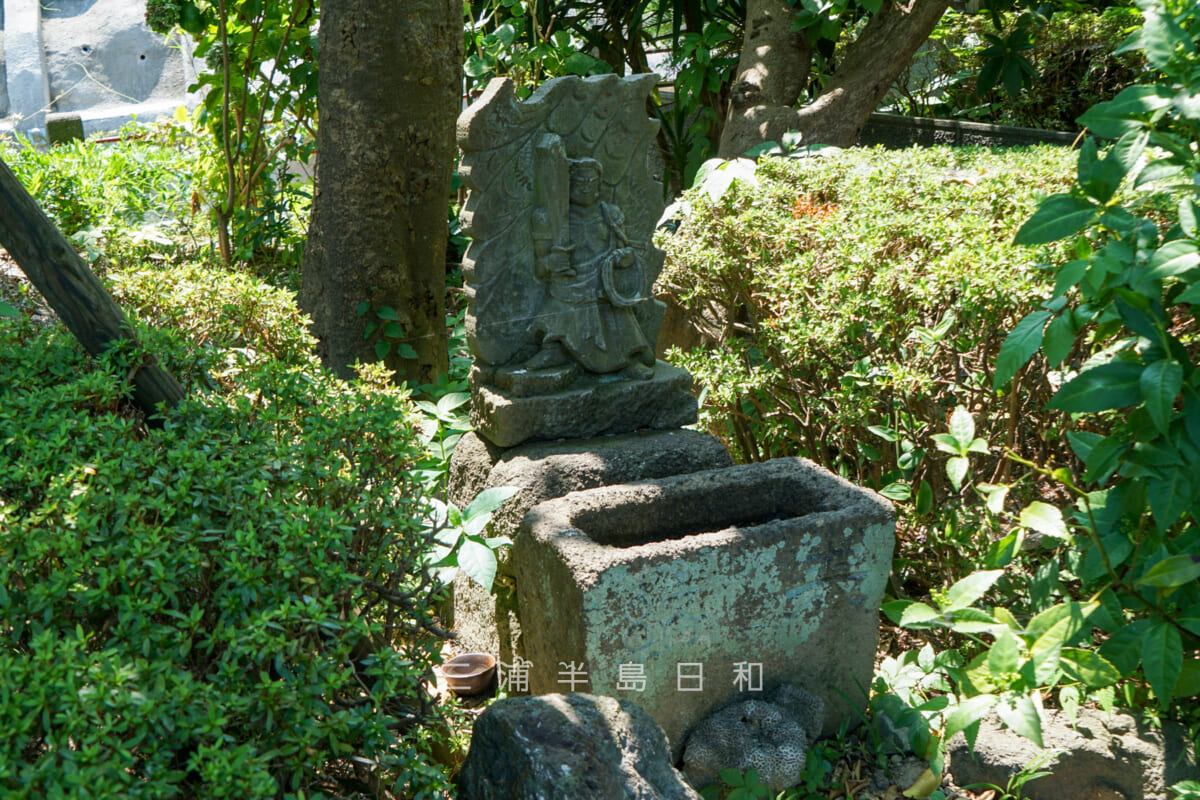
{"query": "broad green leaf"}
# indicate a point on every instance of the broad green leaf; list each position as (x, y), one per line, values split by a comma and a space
(1059, 216)
(1065, 620)
(1068, 701)
(1162, 660)
(1090, 669)
(1172, 572)
(1044, 518)
(1112, 385)
(1174, 258)
(918, 614)
(1004, 656)
(450, 401)
(382, 349)
(1019, 346)
(971, 588)
(967, 713)
(996, 498)
(900, 492)
(948, 444)
(924, 502)
(1004, 615)
(956, 470)
(962, 425)
(973, 620)
(1160, 384)
(1058, 339)
(1161, 37)
(387, 313)
(478, 561)
(1189, 217)
(1115, 118)
(1170, 495)
(489, 500)
(1021, 716)
(1190, 619)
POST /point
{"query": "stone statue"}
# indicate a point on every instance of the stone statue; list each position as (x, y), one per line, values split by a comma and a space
(580, 248)
(561, 214)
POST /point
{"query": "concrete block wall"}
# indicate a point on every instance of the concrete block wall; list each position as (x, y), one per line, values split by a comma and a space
(94, 58)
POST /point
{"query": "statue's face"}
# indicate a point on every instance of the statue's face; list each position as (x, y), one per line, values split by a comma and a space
(585, 187)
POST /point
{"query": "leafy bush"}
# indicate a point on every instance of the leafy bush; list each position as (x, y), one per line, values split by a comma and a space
(229, 606)
(1026, 69)
(851, 302)
(1120, 600)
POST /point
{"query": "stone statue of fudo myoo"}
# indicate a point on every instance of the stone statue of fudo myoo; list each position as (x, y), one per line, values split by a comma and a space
(561, 211)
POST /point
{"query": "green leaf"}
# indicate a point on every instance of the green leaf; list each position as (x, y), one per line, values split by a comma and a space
(924, 502)
(967, 713)
(1004, 656)
(1160, 384)
(1174, 258)
(918, 614)
(1059, 216)
(962, 425)
(450, 401)
(1162, 660)
(1021, 716)
(1189, 217)
(1112, 385)
(382, 349)
(1170, 495)
(393, 330)
(478, 561)
(489, 500)
(1090, 669)
(948, 444)
(900, 492)
(956, 470)
(1117, 117)
(8, 310)
(1172, 572)
(971, 588)
(1161, 37)
(1019, 346)
(1044, 518)
(1058, 339)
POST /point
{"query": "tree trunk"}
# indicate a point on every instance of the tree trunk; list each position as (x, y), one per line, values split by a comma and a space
(73, 290)
(773, 70)
(375, 264)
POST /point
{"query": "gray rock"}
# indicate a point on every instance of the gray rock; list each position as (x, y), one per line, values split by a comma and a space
(1101, 758)
(489, 622)
(770, 736)
(569, 747)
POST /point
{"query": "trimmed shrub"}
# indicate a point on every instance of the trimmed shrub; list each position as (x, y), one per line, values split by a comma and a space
(849, 303)
(230, 606)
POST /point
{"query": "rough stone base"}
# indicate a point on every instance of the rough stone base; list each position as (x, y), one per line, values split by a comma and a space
(1101, 758)
(778, 564)
(594, 405)
(488, 623)
(569, 747)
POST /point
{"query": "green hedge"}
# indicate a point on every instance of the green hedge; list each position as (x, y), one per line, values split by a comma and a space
(228, 606)
(851, 301)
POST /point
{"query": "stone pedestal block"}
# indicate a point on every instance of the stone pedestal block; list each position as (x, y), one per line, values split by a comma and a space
(593, 405)
(665, 591)
(489, 622)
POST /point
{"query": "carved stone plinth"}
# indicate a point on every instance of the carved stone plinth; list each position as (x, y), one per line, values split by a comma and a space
(593, 405)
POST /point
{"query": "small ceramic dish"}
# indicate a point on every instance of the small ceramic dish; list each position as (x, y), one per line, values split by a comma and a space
(469, 673)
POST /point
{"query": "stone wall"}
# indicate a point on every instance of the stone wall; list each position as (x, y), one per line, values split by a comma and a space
(94, 58)
(895, 131)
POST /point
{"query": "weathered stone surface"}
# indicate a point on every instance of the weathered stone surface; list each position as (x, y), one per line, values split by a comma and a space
(489, 623)
(560, 316)
(781, 564)
(770, 736)
(62, 128)
(1102, 758)
(569, 747)
(592, 406)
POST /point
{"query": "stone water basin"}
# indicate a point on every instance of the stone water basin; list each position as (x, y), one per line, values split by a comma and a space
(780, 564)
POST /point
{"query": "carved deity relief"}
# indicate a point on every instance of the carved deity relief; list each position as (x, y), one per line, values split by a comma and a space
(561, 212)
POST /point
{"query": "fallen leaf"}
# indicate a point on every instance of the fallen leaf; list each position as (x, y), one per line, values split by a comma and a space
(924, 785)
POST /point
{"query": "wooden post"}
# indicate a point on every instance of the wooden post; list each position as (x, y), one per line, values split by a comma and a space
(72, 289)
